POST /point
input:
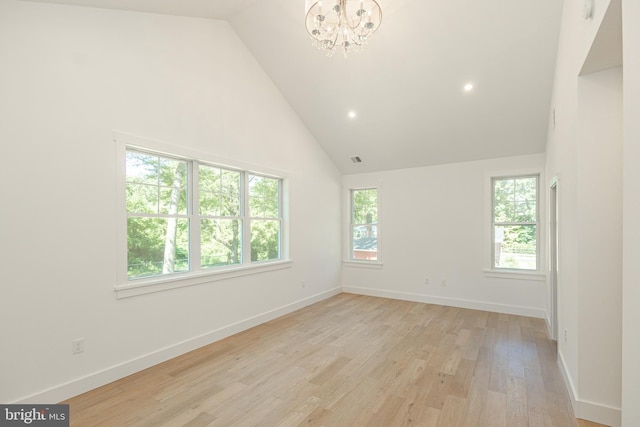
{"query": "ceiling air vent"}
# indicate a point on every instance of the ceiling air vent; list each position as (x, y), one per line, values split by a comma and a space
(356, 159)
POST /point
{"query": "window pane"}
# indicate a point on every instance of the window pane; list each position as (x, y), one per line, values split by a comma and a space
(504, 193)
(173, 186)
(265, 240)
(220, 242)
(525, 200)
(173, 201)
(515, 200)
(230, 193)
(365, 242)
(157, 246)
(365, 206)
(515, 247)
(219, 191)
(264, 199)
(155, 184)
(142, 168)
(142, 182)
(142, 198)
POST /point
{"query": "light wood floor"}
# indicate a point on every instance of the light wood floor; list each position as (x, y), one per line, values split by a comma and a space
(351, 361)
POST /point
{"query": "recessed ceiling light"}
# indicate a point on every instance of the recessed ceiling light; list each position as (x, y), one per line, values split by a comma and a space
(352, 114)
(468, 87)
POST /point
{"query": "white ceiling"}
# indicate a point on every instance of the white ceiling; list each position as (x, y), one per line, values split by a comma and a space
(406, 87)
(215, 9)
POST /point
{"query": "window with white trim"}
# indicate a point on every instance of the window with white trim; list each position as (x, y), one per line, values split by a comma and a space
(364, 225)
(514, 225)
(265, 217)
(220, 208)
(186, 215)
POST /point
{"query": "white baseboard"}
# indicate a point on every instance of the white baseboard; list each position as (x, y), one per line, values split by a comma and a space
(81, 385)
(590, 411)
(452, 302)
(547, 320)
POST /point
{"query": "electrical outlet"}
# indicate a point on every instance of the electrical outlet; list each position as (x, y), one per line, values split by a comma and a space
(426, 280)
(565, 335)
(443, 282)
(77, 346)
(304, 284)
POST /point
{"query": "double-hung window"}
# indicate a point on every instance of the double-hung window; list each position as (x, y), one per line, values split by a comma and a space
(219, 205)
(514, 226)
(265, 217)
(364, 224)
(157, 214)
(187, 216)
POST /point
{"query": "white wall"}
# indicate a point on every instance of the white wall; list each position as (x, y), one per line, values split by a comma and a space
(434, 224)
(600, 236)
(631, 213)
(69, 77)
(584, 152)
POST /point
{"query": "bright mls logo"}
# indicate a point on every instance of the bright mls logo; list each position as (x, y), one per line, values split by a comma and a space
(34, 415)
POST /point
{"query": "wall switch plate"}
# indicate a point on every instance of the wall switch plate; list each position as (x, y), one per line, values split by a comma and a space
(77, 346)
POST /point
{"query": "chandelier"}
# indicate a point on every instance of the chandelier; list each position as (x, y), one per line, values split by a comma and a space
(342, 24)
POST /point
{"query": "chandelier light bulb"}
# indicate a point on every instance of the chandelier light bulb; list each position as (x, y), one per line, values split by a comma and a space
(344, 25)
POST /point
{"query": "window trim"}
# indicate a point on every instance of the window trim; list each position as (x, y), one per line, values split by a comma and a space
(490, 270)
(180, 280)
(126, 287)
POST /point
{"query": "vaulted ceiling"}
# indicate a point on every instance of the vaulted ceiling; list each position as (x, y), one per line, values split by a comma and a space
(406, 88)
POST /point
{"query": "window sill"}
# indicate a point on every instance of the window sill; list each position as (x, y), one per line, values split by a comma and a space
(159, 284)
(363, 264)
(515, 274)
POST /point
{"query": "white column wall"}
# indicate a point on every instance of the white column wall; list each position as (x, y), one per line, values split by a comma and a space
(631, 213)
(584, 153)
(600, 236)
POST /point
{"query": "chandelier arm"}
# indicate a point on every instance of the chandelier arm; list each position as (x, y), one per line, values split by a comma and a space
(326, 28)
(335, 39)
(356, 25)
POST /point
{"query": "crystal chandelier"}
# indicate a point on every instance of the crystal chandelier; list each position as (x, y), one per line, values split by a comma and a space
(342, 24)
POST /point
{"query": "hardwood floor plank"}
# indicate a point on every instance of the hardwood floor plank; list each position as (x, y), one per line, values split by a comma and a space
(299, 413)
(202, 420)
(494, 414)
(351, 361)
(462, 378)
(517, 410)
(476, 401)
(452, 412)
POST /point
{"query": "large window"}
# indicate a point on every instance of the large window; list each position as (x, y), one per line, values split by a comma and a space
(515, 223)
(184, 215)
(364, 224)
